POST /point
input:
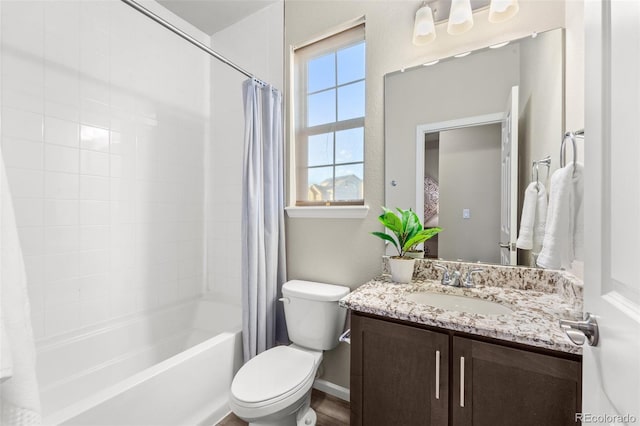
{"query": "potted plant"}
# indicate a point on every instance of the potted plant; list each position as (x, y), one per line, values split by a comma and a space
(409, 233)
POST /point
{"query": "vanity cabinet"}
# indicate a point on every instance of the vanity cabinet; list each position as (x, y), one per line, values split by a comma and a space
(498, 385)
(399, 374)
(482, 382)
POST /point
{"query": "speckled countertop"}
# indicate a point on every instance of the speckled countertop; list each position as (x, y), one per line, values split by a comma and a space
(537, 304)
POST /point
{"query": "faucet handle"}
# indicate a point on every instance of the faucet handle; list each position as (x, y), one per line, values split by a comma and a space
(468, 280)
(446, 279)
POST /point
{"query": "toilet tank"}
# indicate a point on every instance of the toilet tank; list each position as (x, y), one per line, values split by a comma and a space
(314, 319)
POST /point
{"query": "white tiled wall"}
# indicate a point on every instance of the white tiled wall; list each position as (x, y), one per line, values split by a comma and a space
(104, 122)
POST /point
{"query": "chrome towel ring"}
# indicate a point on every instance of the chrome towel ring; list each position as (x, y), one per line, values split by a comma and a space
(563, 156)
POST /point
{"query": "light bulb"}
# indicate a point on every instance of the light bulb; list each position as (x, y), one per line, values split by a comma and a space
(460, 17)
(424, 29)
(502, 10)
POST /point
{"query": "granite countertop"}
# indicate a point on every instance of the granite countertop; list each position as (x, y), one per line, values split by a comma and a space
(534, 320)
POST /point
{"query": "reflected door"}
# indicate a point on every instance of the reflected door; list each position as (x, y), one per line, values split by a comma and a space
(509, 181)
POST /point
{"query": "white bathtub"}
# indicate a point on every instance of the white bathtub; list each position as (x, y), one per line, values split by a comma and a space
(173, 366)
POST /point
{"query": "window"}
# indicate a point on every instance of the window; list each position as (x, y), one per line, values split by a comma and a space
(329, 90)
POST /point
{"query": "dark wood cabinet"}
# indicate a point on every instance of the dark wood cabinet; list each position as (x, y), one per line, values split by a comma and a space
(497, 385)
(480, 381)
(399, 374)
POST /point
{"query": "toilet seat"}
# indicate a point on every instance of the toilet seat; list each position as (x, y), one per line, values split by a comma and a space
(279, 374)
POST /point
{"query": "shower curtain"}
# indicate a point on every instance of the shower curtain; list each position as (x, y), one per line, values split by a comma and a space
(263, 243)
(19, 397)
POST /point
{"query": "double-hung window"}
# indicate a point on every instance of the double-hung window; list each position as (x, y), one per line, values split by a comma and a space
(329, 98)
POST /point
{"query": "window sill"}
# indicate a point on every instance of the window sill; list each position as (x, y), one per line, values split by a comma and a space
(328, 212)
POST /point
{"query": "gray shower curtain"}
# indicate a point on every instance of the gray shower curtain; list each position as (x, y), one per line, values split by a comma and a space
(263, 243)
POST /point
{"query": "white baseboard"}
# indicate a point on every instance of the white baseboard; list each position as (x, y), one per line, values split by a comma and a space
(332, 389)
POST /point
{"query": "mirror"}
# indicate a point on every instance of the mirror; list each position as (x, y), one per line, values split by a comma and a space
(460, 138)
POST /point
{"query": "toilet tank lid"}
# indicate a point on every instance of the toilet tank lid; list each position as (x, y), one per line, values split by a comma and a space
(314, 291)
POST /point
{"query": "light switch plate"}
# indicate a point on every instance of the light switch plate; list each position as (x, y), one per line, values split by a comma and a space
(466, 214)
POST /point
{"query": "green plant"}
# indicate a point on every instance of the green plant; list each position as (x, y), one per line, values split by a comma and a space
(406, 228)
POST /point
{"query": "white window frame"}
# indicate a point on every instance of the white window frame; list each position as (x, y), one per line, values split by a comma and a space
(357, 209)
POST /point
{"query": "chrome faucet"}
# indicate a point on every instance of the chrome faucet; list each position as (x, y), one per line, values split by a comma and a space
(468, 280)
(454, 279)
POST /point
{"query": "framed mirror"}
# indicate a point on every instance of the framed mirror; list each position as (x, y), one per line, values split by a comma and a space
(460, 138)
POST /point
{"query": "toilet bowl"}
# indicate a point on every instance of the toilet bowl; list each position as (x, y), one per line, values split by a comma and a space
(274, 387)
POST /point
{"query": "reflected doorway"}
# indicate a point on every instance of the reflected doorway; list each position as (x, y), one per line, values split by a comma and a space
(462, 185)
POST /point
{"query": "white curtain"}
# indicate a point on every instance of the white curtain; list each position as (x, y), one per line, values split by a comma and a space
(263, 246)
(19, 398)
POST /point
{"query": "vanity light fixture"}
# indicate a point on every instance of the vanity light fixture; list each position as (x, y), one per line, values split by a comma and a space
(460, 17)
(534, 34)
(424, 28)
(499, 45)
(462, 55)
(502, 10)
(428, 64)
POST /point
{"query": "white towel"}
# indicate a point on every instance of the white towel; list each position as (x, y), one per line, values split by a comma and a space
(564, 233)
(577, 213)
(19, 398)
(533, 219)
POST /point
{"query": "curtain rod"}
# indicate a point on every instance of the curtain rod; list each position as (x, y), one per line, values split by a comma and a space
(189, 38)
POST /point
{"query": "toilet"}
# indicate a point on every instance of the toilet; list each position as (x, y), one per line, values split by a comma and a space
(274, 387)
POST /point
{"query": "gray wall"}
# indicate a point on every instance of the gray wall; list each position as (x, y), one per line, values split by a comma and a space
(432, 155)
(446, 91)
(470, 178)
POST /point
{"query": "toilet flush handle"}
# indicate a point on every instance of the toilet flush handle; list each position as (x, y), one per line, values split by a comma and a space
(345, 337)
(284, 300)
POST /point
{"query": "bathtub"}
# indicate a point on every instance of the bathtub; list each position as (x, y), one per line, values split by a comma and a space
(172, 366)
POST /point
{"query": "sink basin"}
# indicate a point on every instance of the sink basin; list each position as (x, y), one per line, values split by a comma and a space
(459, 303)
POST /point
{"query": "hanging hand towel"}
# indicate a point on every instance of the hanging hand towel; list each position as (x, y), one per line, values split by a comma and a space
(541, 220)
(563, 219)
(533, 219)
(577, 213)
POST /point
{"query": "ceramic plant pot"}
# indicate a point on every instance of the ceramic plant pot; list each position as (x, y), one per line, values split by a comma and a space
(418, 254)
(401, 269)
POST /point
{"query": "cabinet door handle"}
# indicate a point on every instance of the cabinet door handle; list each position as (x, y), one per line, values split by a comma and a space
(462, 381)
(437, 374)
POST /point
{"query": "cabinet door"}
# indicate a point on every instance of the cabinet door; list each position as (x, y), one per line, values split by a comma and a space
(399, 374)
(495, 385)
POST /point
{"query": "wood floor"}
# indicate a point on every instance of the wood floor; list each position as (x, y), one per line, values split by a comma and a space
(331, 411)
